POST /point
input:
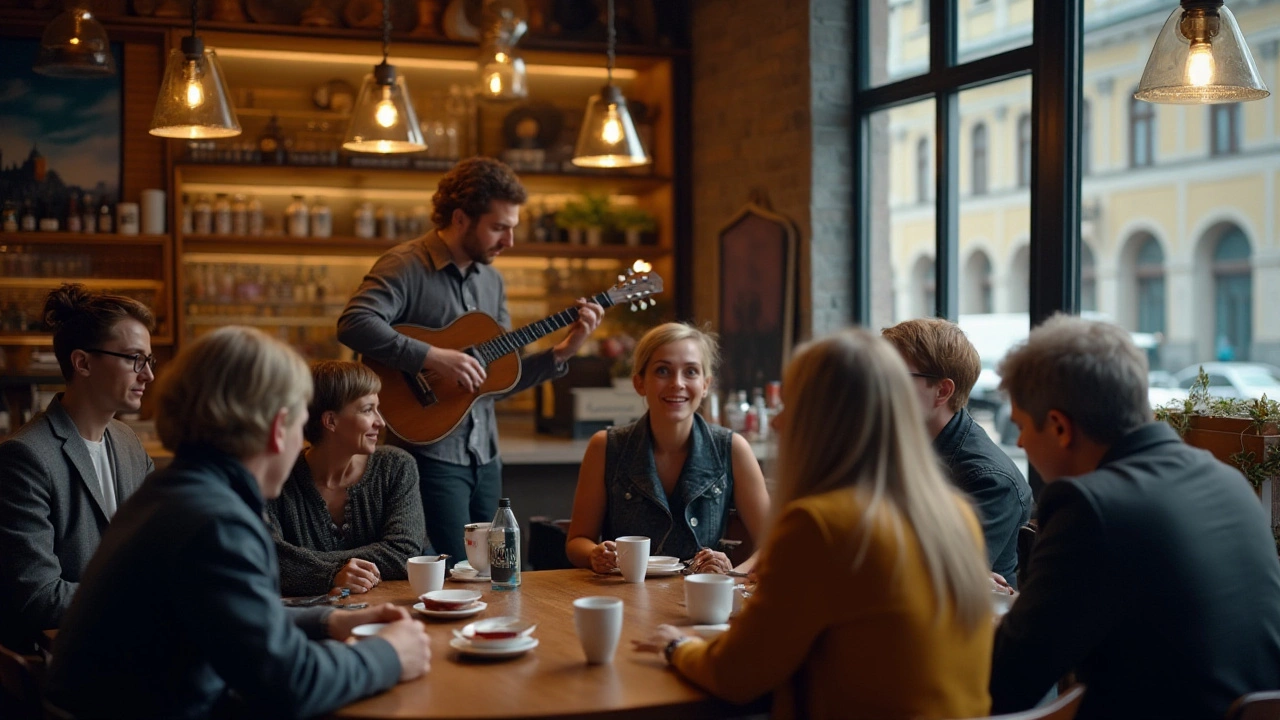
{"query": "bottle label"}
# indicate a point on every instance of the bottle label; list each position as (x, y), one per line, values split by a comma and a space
(504, 555)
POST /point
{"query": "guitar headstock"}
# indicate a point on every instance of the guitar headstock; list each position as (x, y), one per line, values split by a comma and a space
(636, 286)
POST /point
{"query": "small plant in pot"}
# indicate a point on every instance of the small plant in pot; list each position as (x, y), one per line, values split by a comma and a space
(1242, 433)
(585, 218)
(635, 223)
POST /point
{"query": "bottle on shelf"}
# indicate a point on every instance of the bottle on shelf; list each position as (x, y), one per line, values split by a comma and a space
(221, 215)
(188, 219)
(9, 218)
(28, 216)
(74, 222)
(88, 215)
(271, 143)
(386, 223)
(296, 218)
(239, 216)
(504, 548)
(321, 219)
(761, 412)
(735, 412)
(255, 217)
(364, 221)
(202, 216)
(49, 218)
(105, 220)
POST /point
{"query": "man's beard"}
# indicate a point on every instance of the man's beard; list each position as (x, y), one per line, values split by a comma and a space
(472, 247)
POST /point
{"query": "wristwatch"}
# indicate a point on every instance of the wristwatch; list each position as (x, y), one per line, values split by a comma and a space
(671, 647)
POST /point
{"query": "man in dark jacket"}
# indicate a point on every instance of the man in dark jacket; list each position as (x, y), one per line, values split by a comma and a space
(179, 612)
(945, 366)
(1154, 575)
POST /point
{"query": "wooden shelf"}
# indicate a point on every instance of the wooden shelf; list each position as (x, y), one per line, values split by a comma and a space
(287, 244)
(41, 283)
(66, 238)
(267, 320)
(564, 250)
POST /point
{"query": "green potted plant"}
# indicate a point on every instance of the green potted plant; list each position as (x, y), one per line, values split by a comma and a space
(586, 218)
(1241, 433)
(634, 223)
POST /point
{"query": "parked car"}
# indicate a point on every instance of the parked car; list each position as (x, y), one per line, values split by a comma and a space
(1241, 380)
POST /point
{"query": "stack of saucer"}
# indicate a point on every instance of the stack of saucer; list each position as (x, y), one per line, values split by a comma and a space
(499, 637)
(463, 572)
(450, 604)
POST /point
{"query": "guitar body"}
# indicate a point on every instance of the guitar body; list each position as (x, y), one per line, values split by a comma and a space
(426, 417)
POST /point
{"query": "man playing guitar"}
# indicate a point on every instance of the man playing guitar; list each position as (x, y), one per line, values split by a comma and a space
(431, 281)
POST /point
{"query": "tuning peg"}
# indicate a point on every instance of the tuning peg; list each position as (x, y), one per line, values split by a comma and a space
(622, 278)
(633, 307)
(631, 271)
(643, 304)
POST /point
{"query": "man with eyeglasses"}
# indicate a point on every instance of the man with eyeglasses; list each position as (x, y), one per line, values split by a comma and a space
(63, 475)
(945, 366)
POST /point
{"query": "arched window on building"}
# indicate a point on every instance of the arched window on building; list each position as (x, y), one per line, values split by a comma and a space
(1086, 137)
(926, 282)
(978, 186)
(1019, 280)
(1149, 279)
(1142, 131)
(1224, 134)
(1232, 295)
(1024, 150)
(1088, 279)
(975, 285)
(924, 179)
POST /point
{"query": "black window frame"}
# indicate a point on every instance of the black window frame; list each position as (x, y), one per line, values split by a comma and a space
(1053, 60)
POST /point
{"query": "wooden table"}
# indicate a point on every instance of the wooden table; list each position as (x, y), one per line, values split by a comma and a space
(552, 680)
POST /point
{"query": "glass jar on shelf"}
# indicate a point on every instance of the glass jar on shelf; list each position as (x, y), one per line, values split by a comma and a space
(239, 216)
(321, 219)
(386, 223)
(296, 218)
(364, 221)
(221, 215)
(254, 216)
(202, 216)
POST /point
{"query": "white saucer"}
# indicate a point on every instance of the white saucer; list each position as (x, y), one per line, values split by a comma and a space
(469, 578)
(451, 614)
(660, 571)
(466, 648)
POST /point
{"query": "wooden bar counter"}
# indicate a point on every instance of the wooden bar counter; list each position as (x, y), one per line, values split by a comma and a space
(553, 680)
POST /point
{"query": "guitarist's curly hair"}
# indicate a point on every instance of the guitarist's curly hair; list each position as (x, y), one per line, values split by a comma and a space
(471, 186)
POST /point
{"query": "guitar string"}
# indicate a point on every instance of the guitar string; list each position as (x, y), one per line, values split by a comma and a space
(510, 342)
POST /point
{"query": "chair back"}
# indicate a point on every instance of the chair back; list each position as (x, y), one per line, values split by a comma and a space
(21, 677)
(1064, 708)
(546, 543)
(1256, 706)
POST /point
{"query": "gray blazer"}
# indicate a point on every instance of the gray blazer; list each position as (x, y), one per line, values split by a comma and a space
(51, 516)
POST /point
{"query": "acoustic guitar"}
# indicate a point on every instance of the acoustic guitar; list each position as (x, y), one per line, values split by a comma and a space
(419, 409)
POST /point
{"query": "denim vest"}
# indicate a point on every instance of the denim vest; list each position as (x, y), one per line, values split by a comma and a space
(637, 504)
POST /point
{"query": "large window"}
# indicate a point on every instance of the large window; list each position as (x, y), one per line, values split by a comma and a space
(1142, 129)
(1223, 135)
(1024, 150)
(924, 179)
(1232, 295)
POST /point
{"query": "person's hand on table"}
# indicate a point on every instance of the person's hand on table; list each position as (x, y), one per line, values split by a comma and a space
(357, 575)
(604, 557)
(658, 640)
(710, 561)
(341, 621)
(412, 646)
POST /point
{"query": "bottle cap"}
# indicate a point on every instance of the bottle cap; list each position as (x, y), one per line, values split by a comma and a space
(504, 503)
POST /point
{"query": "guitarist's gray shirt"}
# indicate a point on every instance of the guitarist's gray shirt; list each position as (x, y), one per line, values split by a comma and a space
(417, 283)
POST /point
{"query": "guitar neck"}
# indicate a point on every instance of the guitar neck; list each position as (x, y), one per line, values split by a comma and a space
(511, 342)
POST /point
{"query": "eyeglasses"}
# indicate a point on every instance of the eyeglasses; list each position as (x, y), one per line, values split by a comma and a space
(139, 360)
(926, 376)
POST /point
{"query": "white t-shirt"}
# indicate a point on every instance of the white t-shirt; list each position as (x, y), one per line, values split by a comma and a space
(106, 479)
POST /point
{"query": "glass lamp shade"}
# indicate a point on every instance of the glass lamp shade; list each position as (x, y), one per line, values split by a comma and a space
(75, 45)
(1200, 57)
(502, 75)
(608, 138)
(194, 101)
(383, 120)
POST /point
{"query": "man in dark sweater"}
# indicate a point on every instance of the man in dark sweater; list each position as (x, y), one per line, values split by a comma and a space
(945, 366)
(179, 613)
(1154, 575)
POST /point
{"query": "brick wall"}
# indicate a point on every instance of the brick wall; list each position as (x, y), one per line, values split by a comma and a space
(771, 111)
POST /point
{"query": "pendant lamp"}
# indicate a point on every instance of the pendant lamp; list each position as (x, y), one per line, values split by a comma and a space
(75, 45)
(608, 138)
(383, 120)
(1200, 57)
(194, 101)
(502, 71)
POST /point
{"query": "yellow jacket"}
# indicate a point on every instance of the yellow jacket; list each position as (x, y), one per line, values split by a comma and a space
(834, 642)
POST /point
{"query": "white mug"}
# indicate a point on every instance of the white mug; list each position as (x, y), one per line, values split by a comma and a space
(633, 557)
(476, 537)
(709, 598)
(599, 624)
(426, 573)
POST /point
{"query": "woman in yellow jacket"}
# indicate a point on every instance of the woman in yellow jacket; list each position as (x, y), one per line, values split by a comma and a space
(873, 598)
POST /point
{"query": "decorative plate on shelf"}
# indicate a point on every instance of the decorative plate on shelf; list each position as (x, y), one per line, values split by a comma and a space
(532, 126)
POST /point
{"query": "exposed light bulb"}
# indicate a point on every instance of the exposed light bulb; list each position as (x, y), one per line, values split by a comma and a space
(641, 266)
(1200, 64)
(194, 91)
(495, 83)
(74, 41)
(385, 113)
(612, 129)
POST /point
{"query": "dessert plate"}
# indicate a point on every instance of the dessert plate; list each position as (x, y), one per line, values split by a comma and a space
(466, 648)
(452, 614)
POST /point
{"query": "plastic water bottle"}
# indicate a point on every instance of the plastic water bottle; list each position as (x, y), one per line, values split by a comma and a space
(504, 548)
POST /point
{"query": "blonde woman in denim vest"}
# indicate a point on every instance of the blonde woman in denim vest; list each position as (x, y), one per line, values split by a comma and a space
(670, 476)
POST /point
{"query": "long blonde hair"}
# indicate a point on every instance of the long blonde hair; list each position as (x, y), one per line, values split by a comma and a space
(853, 422)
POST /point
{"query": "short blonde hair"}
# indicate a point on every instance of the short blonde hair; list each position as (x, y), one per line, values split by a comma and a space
(225, 389)
(338, 383)
(938, 348)
(671, 332)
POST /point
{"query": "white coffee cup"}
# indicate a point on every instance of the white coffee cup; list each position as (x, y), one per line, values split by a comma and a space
(476, 537)
(426, 573)
(633, 557)
(708, 598)
(599, 624)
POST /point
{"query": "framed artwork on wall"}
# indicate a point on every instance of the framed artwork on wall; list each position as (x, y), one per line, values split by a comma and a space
(60, 138)
(757, 296)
